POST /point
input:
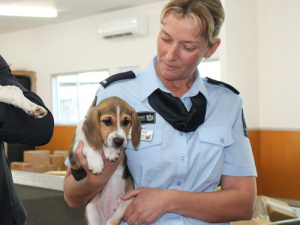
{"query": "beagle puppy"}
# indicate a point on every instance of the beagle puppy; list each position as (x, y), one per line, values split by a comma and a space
(13, 95)
(107, 127)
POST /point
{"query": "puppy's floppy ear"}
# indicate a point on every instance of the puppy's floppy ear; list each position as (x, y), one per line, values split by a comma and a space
(91, 128)
(135, 129)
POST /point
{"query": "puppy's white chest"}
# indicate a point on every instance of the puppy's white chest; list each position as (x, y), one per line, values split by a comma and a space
(109, 199)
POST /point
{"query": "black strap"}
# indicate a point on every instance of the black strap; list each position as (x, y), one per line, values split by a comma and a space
(78, 174)
(220, 83)
(174, 112)
(117, 77)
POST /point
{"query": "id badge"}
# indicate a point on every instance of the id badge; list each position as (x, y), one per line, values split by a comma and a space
(146, 135)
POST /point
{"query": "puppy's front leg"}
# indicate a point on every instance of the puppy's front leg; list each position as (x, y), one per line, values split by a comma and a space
(117, 217)
(19, 100)
(31, 108)
(15, 88)
(94, 159)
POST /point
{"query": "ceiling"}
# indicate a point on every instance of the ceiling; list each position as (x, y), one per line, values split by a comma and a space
(66, 10)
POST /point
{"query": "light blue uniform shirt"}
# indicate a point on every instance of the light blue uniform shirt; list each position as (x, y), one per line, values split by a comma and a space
(193, 161)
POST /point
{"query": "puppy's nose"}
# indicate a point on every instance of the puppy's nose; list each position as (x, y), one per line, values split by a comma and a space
(118, 141)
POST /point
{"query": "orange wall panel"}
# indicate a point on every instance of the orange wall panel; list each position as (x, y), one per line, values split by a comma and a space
(280, 164)
(254, 137)
(61, 140)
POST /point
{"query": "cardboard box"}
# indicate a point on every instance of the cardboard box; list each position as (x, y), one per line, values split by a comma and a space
(65, 154)
(52, 167)
(40, 169)
(21, 166)
(279, 210)
(57, 160)
(37, 158)
(44, 168)
(269, 210)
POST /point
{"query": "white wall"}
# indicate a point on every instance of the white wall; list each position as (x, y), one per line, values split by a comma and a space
(279, 66)
(239, 53)
(77, 46)
(259, 54)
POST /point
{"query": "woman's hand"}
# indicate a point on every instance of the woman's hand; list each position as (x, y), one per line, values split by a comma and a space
(148, 206)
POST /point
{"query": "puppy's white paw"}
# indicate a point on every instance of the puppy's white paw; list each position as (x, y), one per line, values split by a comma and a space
(30, 108)
(37, 111)
(95, 165)
(112, 154)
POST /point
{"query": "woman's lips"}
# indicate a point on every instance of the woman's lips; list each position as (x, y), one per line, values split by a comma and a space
(168, 66)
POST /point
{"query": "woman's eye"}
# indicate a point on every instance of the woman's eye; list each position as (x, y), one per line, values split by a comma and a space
(189, 49)
(126, 122)
(165, 39)
(107, 122)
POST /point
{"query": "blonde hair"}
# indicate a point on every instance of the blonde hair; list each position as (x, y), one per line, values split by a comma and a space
(209, 14)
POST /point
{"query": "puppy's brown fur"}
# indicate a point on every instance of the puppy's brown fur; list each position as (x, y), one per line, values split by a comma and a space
(96, 132)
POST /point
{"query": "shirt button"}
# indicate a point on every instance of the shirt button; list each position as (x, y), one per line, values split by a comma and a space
(180, 133)
(1, 124)
(178, 183)
(182, 158)
(222, 140)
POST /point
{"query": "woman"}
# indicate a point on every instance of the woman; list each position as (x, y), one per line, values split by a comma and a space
(199, 141)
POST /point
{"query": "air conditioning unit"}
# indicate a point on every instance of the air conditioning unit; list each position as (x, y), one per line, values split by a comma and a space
(137, 25)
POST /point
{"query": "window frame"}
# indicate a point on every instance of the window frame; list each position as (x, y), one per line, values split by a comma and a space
(54, 94)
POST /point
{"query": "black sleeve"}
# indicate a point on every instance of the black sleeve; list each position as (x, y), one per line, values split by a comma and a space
(15, 125)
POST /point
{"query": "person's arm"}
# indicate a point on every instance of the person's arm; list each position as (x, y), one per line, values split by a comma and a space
(78, 193)
(17, 126)
(234, 202)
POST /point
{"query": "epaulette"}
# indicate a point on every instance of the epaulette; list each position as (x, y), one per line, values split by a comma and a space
(220, 83)
(117, 77)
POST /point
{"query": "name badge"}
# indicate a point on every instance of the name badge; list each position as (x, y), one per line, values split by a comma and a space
(146, 135)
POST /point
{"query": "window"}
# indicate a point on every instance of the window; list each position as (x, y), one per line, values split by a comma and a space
(210, 69)
(73, 95)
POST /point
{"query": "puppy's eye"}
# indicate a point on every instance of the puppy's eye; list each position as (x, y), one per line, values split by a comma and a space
(107, 122)
(126, 122)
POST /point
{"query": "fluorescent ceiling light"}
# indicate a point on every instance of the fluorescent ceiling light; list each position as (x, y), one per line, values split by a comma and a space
(27, 11)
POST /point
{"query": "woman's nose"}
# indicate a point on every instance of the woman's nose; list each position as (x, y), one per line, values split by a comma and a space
(172, 53)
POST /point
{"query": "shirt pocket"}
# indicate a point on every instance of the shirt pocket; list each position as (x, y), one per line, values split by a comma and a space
(212, 141)
(145, 163)
(219, 136)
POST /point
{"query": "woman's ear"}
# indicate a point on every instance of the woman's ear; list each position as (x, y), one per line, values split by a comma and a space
(135, 129)
(91, 129)
(212, 49)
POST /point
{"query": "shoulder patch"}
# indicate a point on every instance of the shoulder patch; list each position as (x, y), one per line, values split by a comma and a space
(220, 83)
(117, 77)
(244, 125)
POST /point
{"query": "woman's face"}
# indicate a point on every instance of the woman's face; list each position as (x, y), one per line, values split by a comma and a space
(179, 50)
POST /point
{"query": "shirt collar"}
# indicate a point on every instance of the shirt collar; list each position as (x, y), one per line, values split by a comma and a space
(150, 83)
